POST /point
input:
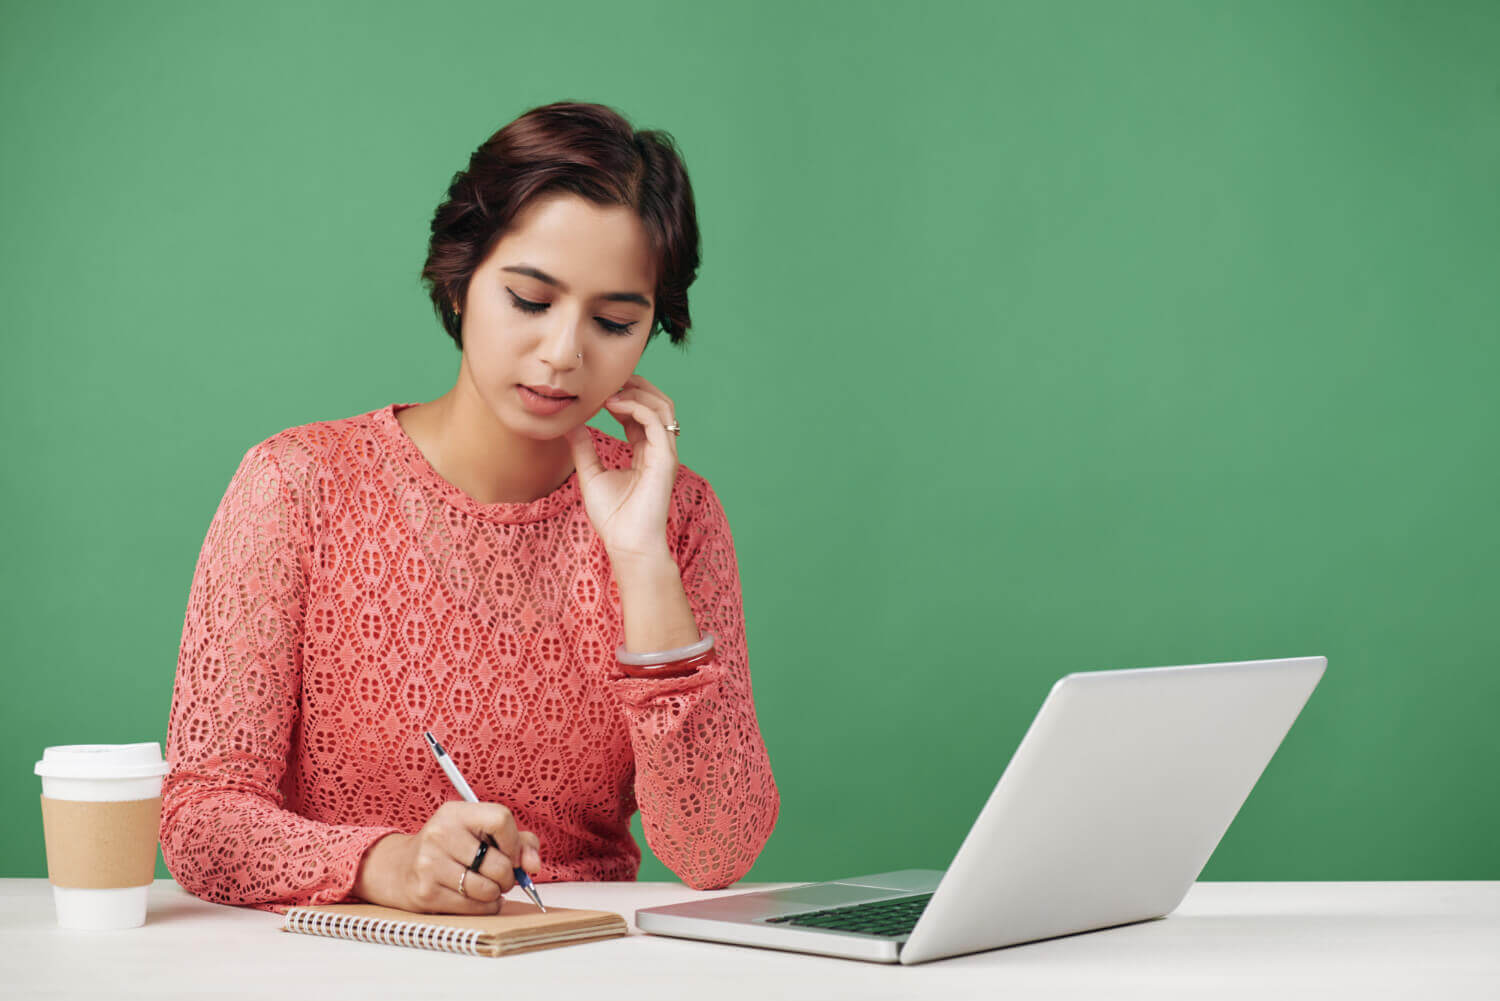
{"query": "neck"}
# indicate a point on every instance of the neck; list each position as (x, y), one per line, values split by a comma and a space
(472, 449)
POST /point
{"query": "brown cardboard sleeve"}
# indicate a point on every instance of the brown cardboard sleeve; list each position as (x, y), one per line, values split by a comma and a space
(101, 846)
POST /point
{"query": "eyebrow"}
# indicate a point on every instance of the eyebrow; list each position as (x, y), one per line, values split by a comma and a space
(526, 269)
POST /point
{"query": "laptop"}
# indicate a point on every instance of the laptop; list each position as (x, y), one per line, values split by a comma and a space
(1109, 809)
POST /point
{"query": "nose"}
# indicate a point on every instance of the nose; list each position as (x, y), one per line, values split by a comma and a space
(562, 347)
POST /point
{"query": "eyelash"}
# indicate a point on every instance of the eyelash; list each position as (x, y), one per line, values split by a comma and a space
(527, 306)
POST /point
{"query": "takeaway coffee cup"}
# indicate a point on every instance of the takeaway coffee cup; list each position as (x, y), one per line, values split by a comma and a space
(101, 813)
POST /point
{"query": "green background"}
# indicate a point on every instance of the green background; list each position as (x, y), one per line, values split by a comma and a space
(1029, 339)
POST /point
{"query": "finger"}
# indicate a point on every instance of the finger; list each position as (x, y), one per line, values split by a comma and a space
(636, 379)
(480, 892)
(648, 418)
(651, 398)
(494, 819)
(531, 853)
(658, 403)
(585, 455)
(635, 430)
(499, 868)
(495, 866)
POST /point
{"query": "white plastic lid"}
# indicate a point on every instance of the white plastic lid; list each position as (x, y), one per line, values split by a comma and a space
(102, 761)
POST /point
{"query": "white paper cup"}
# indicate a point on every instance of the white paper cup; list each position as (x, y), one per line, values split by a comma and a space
(101, 811)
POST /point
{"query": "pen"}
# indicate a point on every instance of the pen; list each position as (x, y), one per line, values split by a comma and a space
(457, 779)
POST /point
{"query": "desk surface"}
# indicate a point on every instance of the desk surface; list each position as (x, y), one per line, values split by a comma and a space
(1260, 940)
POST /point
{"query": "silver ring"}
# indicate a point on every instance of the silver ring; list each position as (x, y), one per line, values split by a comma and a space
(675, 428)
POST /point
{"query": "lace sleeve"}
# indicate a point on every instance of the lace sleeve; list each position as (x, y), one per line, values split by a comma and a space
(703, 779)
(224, 833)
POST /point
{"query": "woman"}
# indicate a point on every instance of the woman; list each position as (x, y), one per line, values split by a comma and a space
(560, 608)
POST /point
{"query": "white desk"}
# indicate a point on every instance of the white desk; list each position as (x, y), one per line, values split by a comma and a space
(1238, 940)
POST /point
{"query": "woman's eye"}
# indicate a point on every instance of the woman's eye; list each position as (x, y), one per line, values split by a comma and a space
(527, 306)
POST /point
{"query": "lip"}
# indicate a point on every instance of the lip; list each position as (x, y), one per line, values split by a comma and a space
(543, 406)
(551, 391)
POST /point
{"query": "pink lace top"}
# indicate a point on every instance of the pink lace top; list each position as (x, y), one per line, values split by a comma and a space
(347, 597)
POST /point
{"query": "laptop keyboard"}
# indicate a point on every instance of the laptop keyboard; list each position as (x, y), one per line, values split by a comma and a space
(884, 918)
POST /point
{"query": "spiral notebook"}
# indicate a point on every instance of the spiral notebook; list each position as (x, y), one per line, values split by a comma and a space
(519, 927)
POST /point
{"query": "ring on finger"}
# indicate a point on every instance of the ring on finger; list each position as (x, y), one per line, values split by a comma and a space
(484, 846)
(461, 877)
(670, 424)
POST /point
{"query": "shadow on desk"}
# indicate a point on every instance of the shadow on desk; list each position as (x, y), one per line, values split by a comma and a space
(174, 908)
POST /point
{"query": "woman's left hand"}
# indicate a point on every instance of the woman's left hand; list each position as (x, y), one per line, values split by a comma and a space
(628, 507)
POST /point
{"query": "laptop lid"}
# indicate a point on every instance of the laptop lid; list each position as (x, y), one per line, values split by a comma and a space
(1109, 809)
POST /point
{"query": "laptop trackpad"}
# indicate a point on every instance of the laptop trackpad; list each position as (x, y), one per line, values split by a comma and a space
(832, 894)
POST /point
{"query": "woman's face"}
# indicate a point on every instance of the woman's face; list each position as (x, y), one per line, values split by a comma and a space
(519, 328)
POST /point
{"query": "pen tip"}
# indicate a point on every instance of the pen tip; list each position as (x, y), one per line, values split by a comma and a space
(536, 897)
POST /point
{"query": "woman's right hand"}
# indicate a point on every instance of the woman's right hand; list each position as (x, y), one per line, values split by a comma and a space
(420, 872)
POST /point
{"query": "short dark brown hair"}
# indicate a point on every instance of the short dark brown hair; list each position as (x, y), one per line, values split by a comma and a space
(588, 149)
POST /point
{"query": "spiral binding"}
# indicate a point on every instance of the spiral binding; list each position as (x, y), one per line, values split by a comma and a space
(384, 931)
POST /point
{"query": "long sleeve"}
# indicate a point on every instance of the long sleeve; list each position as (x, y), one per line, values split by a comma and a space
(703, 778)
(225, 835)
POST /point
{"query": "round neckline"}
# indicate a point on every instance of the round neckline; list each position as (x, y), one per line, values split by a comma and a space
(503, 512)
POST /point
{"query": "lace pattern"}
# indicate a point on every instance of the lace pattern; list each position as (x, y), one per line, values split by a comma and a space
(347, 597)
